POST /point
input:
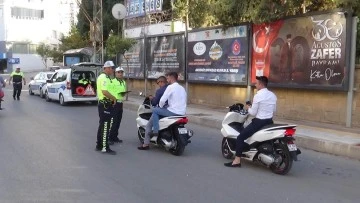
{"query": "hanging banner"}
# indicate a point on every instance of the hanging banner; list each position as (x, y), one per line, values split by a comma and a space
(136, 8)
(302, 52)
(165, 54)
(218, 55)
(133, 63)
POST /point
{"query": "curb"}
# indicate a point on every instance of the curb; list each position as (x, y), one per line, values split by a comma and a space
(303, 141)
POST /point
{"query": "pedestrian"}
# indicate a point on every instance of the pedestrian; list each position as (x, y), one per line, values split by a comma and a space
(118, 89)
(2, 84)
(161, 81)
(263, 108)
(17, 78)
(106, 101)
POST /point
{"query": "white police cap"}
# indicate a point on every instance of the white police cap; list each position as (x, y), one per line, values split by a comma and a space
(119, 69)
(108, 64)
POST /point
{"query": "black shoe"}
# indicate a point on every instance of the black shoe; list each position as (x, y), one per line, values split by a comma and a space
(230, 164)
(111, 142)
(143, 148)
(97, 148)
(14, 98)
(108, 151)
(18, 98)
(117, 140)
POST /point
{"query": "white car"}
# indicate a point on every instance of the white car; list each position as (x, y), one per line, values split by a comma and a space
(36, 84)
(64, 86)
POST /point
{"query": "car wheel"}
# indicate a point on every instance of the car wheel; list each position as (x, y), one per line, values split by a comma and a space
(30, 91)
(61, 100)
(47, 97)
(41, 93)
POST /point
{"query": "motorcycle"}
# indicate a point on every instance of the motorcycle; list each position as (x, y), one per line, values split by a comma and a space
(273, 145)
(173, 135)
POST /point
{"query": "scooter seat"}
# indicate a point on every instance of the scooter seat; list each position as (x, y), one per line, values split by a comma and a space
(273, 125)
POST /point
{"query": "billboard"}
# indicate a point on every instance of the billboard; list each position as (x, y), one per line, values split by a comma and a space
(302, 52)
(165, 54)
(136, 8)
(218, 55)
(134, 65)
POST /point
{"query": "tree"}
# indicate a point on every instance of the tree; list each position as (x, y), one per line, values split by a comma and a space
(109, 22)
(56, 55)
(73, 41)
(118, 45)
(44, 51)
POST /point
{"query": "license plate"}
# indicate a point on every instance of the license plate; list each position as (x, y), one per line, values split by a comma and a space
(292, 147)
(182, 131)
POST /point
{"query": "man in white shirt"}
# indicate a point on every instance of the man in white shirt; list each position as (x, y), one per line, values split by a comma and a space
(175, 95)
(263, 108)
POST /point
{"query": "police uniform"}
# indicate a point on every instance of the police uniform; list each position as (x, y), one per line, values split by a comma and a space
(17, 78)
(117, 87)
(105, 109)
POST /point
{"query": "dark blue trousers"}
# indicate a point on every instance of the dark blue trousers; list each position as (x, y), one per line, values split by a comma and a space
(255, 125)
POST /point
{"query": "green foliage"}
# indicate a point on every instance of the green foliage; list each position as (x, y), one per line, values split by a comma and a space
(115, 44)
(44, 52)
(56, 55)
(109, 22)
(73, 41)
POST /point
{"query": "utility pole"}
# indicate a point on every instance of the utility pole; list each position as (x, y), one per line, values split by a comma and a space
(98, 41)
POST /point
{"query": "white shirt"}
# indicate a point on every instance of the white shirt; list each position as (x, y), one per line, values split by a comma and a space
(175, 95)
(264, 104)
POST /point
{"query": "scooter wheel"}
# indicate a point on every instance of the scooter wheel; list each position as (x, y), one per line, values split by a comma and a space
(225, 150)
(141, 135)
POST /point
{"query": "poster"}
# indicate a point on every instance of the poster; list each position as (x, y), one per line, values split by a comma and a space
(219, 55)
(165, 54)
(302, 52)
(134, 65)
(136, 8)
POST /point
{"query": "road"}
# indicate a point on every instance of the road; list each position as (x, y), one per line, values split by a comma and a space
(47, 154)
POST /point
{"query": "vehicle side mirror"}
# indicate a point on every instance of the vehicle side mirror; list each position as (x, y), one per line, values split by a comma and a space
(32, 78)
(49, 81)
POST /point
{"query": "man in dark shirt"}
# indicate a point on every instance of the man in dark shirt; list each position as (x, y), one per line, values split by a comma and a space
(17, 77)
(162, 82)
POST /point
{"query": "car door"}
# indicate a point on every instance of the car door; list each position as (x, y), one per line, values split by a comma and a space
(58, 85)
(33, 84)
(38, 82)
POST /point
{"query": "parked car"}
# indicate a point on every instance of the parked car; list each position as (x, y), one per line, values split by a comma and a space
(64, 85)
(36, 84)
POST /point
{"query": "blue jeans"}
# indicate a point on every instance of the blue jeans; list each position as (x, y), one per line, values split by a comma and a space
(160, 112)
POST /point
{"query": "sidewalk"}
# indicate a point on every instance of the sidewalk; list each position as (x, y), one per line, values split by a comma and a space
(325, 138)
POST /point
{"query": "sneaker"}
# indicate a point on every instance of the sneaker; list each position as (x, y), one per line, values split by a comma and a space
(108, 151)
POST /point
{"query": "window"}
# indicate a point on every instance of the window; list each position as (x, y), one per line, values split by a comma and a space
(32, 49)
(20, 49)
(26, 13)
(49, 76)
(60, 77)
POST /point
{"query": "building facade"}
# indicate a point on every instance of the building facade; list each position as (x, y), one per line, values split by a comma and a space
(24, 24)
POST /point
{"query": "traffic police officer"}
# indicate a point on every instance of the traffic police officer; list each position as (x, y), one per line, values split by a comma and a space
(105, 107)
(118, 90)
(17, 77)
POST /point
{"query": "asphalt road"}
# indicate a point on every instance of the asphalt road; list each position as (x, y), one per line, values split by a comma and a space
(47, 154)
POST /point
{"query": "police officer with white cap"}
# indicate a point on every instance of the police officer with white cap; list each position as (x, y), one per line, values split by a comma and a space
(106, 101)
(118, 89)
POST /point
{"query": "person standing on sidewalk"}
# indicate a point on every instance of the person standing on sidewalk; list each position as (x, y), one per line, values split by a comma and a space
(263, 108)
(118, 89)
(161, 81)
(105, 107)
(17, 77)
(2, 84)
(175, 96)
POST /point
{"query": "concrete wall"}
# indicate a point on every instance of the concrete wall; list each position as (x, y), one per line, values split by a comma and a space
(294, 104)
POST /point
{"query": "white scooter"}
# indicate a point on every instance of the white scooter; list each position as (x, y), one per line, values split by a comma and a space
(272, 146)
(173, 135)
